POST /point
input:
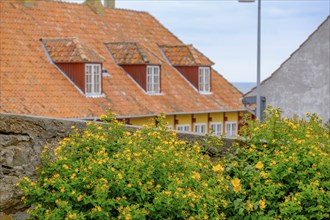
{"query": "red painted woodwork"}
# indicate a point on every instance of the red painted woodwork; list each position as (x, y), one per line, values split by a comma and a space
(138, 73)
(76, 72)
(190, 73)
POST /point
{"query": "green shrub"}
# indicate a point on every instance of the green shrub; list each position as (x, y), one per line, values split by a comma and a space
(282, 171)
(106, 172)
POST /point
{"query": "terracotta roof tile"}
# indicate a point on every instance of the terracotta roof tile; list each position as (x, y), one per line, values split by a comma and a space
(130, 53)
(185, 55)
(70, 50)
(30, 84)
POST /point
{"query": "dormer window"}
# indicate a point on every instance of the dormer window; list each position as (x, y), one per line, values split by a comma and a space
(204, 77)
(192, 64)
(139, 63)
(80, 64)
(153, 79)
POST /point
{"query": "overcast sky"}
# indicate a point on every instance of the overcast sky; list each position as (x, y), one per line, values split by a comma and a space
(226, 31)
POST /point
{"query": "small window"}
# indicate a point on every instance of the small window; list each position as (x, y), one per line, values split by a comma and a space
(183, 127)
(216, 128)
(204, 79)
(153, 79)
(231, 129)
(170, 127)
(200, 128)
(93, 79)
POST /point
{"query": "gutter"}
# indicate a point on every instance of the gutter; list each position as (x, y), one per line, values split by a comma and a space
(167, 114)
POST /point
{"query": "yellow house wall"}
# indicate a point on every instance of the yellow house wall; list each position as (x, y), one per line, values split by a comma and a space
(187, 119)
(217, 117)
(232, 116)
(201, 118)
(169, 119)
(184, 119)
(140, 121)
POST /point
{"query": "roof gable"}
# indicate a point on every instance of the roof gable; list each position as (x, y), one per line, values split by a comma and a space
(130, 53)
(185, 55)
(70, 50)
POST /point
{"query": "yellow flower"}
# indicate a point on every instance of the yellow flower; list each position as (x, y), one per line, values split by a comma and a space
(72, 216)
(195, 175)
(272, 163)
(218, 168)
(224, 203)
(80, 198)
(259, 165)
(262, 204)
(263, 174)
(237, 184)
(120, 176)
(102, 117)
(249, 206)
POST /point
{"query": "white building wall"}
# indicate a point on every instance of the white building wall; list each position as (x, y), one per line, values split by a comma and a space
(302, 83)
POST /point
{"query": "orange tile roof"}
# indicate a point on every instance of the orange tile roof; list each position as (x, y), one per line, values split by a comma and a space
(131, 53)
(185, 55)
(31, 84)
(70, 50)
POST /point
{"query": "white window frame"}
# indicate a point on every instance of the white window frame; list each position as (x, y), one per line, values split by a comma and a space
(93, 76)
(153, 80)
(216, 128)
(200, 128)
(183, 127)
(204, 79)
(231, 129)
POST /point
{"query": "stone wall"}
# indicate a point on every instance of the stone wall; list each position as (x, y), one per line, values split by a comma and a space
(22, 139)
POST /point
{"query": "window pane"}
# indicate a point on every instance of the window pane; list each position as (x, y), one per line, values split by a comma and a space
(153, 79)
(93, 78)
(203, 129)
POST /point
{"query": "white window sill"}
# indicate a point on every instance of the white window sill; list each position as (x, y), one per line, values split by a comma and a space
(205, 93)
(155, 94)
(95, 95)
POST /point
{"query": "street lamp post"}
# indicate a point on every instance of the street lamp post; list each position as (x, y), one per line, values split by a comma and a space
(258, 107)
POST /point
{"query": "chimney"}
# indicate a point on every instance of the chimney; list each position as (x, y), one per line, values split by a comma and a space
(28, 3)
(96, 6)
(109, 3)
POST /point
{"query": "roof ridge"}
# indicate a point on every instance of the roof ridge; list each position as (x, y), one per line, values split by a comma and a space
(142, 53)
(126, 9)
(190, 47)
(193, 48)
(80, 48)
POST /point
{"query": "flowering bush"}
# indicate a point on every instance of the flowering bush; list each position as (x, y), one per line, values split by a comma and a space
(282, 171)
(106, 172)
